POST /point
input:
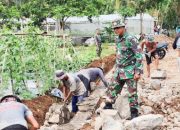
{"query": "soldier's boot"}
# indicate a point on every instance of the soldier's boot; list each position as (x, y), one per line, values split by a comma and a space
(134, 113)
(108, 105)
(109, 102)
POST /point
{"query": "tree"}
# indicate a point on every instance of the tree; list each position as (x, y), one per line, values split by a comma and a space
(39, 10)
(10, 11)
(171, 17)
(130, 7)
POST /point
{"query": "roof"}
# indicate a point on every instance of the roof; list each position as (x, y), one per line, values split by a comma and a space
(101, 18)
(137, 17)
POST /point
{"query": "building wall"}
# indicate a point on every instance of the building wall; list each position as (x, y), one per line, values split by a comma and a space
(86, 28)
(134, 26)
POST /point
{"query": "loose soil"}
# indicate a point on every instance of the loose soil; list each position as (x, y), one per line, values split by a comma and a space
(40, 105)
(108, 62)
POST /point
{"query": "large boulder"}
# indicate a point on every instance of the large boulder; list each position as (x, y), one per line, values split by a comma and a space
(145, 122)
(110, 113)
(122, 105)
(111, 124)
(155, 84)
(159, 74)
(146, 110)
(107, 123)
(90, 41)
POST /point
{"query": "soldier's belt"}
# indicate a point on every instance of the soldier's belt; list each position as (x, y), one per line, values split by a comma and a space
(133, 62)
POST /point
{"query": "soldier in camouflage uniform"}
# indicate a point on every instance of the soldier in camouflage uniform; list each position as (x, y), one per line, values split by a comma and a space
(128, 66)
(98, 42)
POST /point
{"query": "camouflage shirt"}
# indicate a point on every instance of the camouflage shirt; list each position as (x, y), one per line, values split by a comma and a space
(128, 57)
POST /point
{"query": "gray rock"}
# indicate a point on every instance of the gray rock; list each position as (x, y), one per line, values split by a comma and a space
(146, 110)
(110, 113)
(54, 119)
(46, 123)
(166, 92)
(107, 123)
(47, 116)
(146, 122)
(88, 105)
(67, 127)
(122, 105)
(110, 124)
(90, 41)
(159, 74)
(79, 119)
(54, 127)
(45, 128)
(98, 123)
(155, 84)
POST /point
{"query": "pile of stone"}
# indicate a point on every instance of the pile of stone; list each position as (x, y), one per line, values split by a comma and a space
(57, 115)
(160, 97)
(111, 120)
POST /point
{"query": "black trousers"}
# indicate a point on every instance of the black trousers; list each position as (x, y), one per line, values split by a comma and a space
(15, 127)
(86, 83)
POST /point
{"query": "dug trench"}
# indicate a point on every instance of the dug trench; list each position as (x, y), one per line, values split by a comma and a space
(41, 104)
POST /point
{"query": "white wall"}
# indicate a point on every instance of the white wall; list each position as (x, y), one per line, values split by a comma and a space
(133, 26)
(87, 28)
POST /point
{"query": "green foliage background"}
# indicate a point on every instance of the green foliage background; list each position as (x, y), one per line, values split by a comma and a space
(35, 57)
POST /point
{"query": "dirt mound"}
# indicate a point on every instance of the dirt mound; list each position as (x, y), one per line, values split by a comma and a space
(163, 38)
(39, 106)
(108, 61)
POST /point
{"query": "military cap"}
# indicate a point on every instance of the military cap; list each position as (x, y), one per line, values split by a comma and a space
(117, 24)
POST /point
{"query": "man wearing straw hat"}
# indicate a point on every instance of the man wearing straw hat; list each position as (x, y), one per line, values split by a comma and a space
(75, 86)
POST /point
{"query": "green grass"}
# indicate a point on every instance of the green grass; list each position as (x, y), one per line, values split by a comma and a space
(85, 55)
(88, 54)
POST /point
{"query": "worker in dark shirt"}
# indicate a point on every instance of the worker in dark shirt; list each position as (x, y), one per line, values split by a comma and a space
(91, 75)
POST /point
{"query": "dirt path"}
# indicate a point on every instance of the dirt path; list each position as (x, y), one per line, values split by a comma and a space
(169, 63)
(166, 100)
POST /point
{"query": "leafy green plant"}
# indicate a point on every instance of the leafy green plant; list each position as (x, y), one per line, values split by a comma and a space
(35, 57)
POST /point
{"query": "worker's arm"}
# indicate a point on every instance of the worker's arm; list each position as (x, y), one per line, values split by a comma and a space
(30, 118)
(142, 45)
(68, 96)
(64, 91)
(101, 75)
(32, 121)
(139, 58)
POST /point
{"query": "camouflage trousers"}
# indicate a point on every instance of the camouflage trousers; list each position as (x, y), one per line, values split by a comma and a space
(98, 50)
(132, 91)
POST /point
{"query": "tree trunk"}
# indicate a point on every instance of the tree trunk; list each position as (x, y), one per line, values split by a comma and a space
(62, 24)
(141, 23)
(117, 4)
(58, 26)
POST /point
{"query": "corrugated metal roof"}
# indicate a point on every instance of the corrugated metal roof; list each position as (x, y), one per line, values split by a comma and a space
(101, 18)
(145, 17)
